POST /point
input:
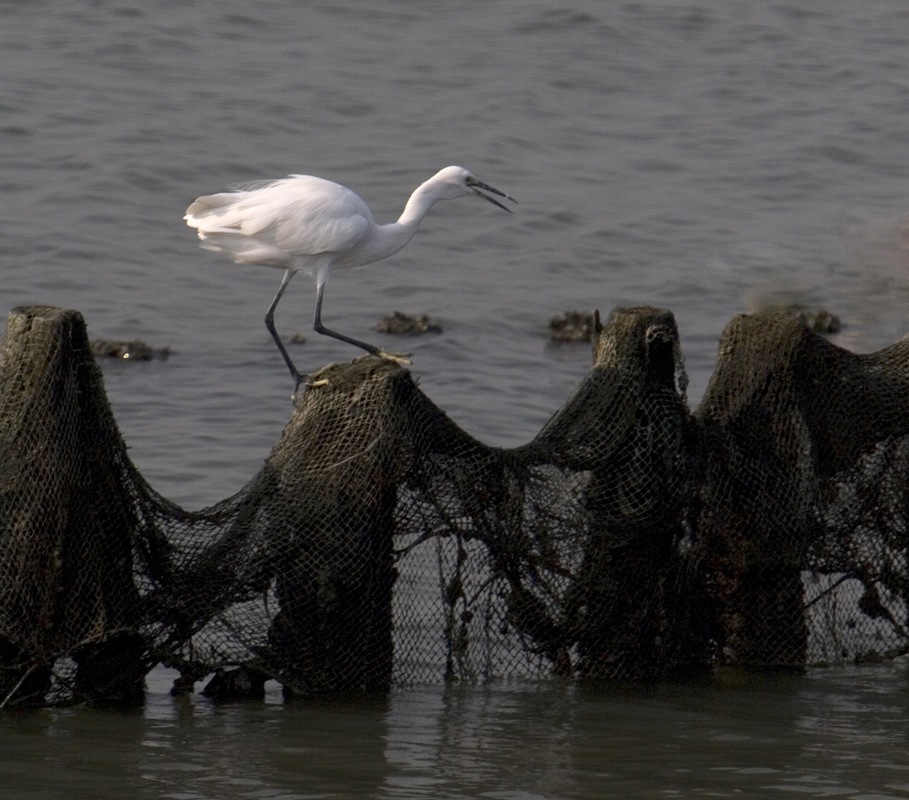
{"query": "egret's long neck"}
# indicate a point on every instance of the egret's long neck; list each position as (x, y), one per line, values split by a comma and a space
(390, 238)
(417, 207)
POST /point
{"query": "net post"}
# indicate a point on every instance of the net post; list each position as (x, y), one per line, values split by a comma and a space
(67, 597)
(338, 465)
(757, 493)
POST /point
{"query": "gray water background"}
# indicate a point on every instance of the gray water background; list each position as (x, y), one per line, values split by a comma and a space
(708, 157)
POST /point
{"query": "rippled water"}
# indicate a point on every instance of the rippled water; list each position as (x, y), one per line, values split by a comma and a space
(827, 735)
(706, 157)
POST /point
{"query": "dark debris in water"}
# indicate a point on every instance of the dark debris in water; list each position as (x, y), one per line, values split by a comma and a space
(572, 326)
(237, 683)
(131, 350)
(402, 324)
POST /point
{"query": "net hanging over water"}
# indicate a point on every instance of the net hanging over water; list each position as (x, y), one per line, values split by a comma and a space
(380, 545)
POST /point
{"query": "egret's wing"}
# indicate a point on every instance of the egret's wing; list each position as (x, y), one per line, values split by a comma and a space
(300, 215)
(313, 216)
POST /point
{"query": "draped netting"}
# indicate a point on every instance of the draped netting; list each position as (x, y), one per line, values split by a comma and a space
(380, 545)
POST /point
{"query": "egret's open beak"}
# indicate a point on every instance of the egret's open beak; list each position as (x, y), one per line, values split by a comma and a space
(476, 186)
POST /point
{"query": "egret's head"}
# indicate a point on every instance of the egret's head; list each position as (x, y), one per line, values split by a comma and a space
(458, 182)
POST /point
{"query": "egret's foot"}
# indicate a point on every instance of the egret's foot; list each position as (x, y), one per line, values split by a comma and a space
(298, 379)
(399, 358)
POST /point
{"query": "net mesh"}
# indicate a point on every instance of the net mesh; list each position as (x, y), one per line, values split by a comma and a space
(382, 545)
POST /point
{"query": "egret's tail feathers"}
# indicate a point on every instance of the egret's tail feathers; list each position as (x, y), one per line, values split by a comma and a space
(229, 212)
(225, 225)
(208, 209)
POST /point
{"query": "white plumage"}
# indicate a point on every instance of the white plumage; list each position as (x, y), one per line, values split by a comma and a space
(304, 223)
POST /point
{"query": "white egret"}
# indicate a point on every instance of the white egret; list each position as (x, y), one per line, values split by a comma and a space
(303, 223)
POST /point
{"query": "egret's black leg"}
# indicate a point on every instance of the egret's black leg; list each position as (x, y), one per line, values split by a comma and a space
(270, 324)
(320, 328)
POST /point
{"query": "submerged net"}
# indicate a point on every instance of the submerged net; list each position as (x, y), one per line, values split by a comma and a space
(381, 545)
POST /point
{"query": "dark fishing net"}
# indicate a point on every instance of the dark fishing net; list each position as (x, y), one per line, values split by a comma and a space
(381, 545)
